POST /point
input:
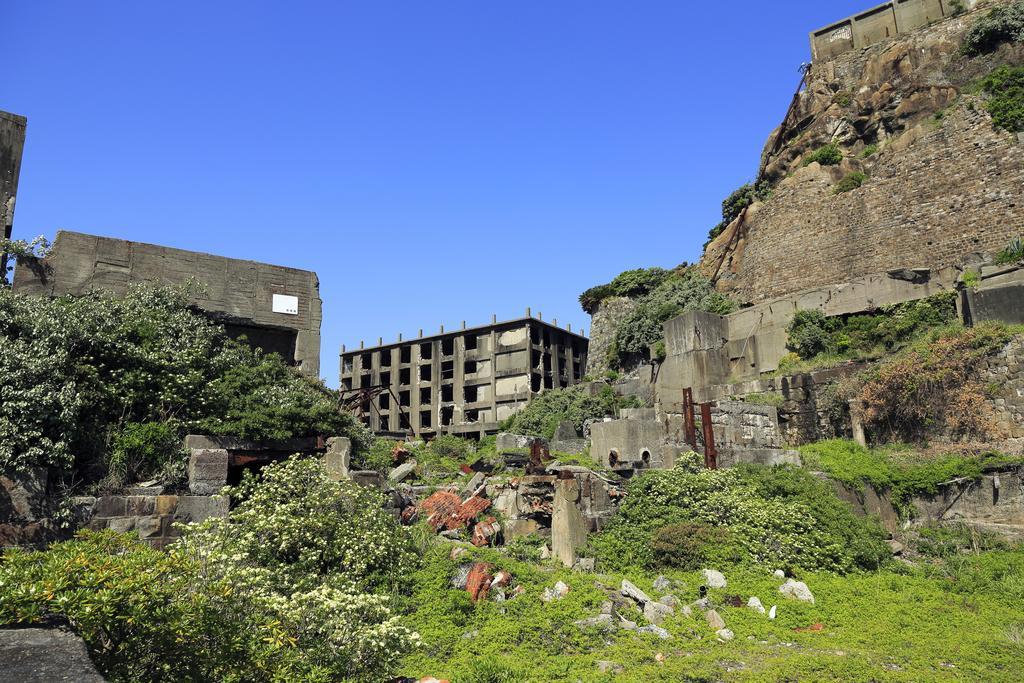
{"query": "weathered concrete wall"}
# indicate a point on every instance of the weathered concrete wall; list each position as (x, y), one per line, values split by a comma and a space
(639, 444)
(12, 145)
(278, 308)
(939, 191)
(998, 296)
(1005, 374)
(603, 323)
(881, 23)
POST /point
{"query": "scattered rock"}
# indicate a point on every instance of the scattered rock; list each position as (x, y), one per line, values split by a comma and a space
(605, 622)
(771, 612)
(461, 574)
(715, 620)
(656, 630)
(626, 625)
(545, 552)
(402, 472)
(661, 584)
(457, 552)
(798, 590)
(896, 547)
(724, 635)
(686, 611)
(584, 564)
(608, 607)
(703, 604)
(714, 578)
(468, 635)
(655, 612)
(631, 591)
(659, 658)
(669, 600)
(779, 574)
(605, 667)
(475, 482)
(557, 592)
(478, 581)
(754, 603)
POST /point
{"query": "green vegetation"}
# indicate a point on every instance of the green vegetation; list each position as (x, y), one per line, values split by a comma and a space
(1005, 103)
(1014, 252)
(542, 415)
(781, 517)
(851, 181)
(686, 290)
(99, 384)
(829, 155)
(971, 278)
(766, 399)
(296, 585)
(21, 251)
(900, 470)
(812, 334)
(931, 387)
(1002, 25)
(868, 151)
(734, 204)
(631, 283)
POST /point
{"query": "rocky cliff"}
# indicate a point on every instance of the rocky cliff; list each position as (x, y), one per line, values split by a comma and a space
(940, 182)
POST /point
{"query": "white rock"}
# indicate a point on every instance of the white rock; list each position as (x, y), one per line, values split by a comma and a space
(715, 620)
(754, 603)
(556, 593)
(655, 612)
(631, 591)
(798, 590)
(724, 634)
(779, 574)
(771, 612)
(714, 578)
(656, 630)
(661, 584)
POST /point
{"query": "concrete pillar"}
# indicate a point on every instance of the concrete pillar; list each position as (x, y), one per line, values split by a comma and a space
(568, 527)
(336, 459)
(207, 471)
(857, 425)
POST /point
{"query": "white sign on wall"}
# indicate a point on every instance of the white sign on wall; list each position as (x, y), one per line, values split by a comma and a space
(285, 303)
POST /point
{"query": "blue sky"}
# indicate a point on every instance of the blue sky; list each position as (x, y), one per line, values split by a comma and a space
(433, 161)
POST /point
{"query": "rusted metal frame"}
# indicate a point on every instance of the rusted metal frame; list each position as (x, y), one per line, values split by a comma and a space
(688, 418)
(710, 452)
(366, 395)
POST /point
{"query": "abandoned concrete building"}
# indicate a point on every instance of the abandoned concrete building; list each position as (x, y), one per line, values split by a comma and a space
(464, 382)
(881, 23)
(275, 308)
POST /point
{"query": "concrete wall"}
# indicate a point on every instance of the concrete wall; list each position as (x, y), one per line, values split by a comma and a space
(636, 444)
(239, 293)
(880, 23)
(465, 381)
(603, 323)
(12, 144)
(998, 296)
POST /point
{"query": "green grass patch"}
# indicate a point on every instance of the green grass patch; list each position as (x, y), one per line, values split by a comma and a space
(899, 470)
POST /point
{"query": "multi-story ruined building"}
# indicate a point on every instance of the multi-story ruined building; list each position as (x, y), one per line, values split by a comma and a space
(463, 382)
(277, 309)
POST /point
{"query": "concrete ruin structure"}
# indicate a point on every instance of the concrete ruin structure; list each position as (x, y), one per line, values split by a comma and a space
(464, 382)
(275, 308)
(881, 23)
(12, 145)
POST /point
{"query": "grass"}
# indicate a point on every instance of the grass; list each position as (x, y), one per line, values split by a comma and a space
(956, 621)
(902, 471)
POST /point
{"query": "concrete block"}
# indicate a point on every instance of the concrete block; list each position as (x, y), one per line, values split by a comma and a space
(337, 457)
(369, 479)
(140, 505)
(110, 506)
(149, 526)
(165, 505)
(199, 508)
(121, 524)
(207, 471)
(568, 527)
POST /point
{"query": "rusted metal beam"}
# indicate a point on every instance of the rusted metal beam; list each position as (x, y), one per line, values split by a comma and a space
(710, 452)
(688, 418)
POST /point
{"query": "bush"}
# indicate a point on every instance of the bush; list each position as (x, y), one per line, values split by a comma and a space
(142, 448)
(1005, 90)
(932, 388)
(781, 517)
(1002, 24)
(84, 374)
(542, 415)
(688, 290)
(869, 150)
(687, 546)
(733, 205)
(829, 155)
(290, 587)
(812, 334)
(851, 181)
(631, 283)
(1014, 252)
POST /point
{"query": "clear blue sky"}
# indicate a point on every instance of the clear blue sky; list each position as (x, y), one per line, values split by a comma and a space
(432, 161)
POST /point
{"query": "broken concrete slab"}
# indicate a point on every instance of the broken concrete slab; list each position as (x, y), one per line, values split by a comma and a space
(568, 527)
(402, 472)
(45, 655)
(336, 459)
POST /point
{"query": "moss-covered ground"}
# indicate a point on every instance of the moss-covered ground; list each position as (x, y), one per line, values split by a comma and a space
(959, 619)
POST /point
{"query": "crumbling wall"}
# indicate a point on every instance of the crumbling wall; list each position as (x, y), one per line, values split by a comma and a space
(1004, 375)
(603, 323)
(274, 306)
